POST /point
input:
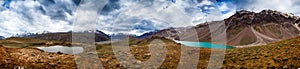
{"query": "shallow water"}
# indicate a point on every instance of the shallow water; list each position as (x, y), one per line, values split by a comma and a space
(203, 44)
(62, 49)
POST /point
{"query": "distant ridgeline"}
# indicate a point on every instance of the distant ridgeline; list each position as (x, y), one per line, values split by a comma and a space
(65, 36)
(2, 37)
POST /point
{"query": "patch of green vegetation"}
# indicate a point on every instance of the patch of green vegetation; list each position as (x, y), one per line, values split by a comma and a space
(258, 29)
(275, 28)
(247, 40)
(236, 30)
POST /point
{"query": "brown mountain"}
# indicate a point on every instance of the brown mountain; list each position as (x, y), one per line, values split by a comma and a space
(67, 36)
(243, 28)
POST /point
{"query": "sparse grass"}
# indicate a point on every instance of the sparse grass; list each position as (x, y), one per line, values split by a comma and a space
(16, 42)
(283, 54)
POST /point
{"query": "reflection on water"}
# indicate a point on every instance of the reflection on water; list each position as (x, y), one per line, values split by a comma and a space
(203, 44)
(62, 49)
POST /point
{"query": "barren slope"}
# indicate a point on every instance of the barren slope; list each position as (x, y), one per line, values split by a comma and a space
(244, 28)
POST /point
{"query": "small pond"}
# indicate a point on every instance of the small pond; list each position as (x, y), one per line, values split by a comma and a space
(62, 49)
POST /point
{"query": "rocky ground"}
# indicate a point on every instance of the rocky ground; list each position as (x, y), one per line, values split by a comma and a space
(34, 58)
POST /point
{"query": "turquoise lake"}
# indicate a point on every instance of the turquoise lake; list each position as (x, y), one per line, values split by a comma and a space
(203, 44)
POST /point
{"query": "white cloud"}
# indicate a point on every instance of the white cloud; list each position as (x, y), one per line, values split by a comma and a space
(274, 4)
(25, 16)
(37, 16)
(205, 2)
(15, 23)
(130, 16)
(163, 14)
(291, 6)
(224, 7)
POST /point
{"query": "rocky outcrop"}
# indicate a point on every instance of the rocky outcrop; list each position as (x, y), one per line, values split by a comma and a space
(263, 17)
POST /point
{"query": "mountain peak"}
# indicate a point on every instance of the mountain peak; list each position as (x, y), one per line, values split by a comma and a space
(244, 12)
(269, 11)
(274, 12)
(265, 16)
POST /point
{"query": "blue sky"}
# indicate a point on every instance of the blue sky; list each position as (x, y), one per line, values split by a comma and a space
(126, 16)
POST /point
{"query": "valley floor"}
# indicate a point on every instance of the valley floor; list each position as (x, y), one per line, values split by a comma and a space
(283, 54)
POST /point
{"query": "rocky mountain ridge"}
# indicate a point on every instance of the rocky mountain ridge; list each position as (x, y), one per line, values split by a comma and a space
(67, 36)
(244, 28)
